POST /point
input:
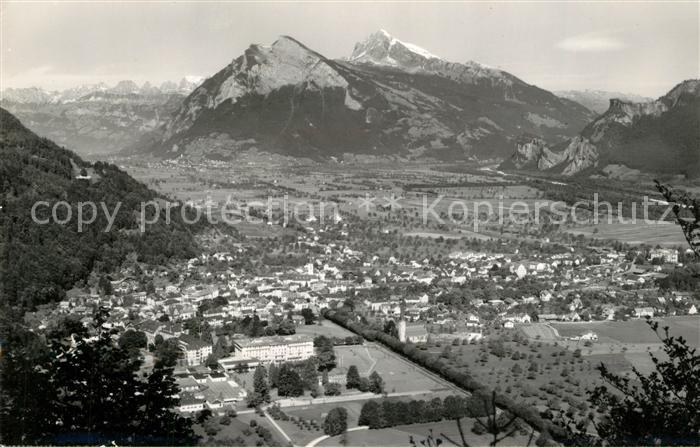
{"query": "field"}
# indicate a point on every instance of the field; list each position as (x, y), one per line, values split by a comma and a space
(400, 376)
(400, 435)
(537, 373)
(635, 331)
(303, 434)
(457, 234)
(360, 356)
(665, 234)
(619, 343)
(239, 427)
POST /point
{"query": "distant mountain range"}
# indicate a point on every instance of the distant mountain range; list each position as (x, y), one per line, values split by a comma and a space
(36, 95)
(96, 118)
(599, 100)
(661, 136)
(388, 99)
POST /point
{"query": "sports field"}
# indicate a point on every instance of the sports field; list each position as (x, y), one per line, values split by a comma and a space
(359, 356)
(399, 375)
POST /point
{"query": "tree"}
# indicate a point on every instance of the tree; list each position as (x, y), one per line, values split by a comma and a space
(352, 378)
(308, 315)
(336, 422)
(662, 408)
(88, 390)
(286, 327)
(168, 351)
(324, 353)
(273, 375)
(370, 414)
(516, 369)
(376, 383)
(157, 417)
(105, 285)
(309, 374)
(454, 407)
(498, 426)
(261, 390)
(289, 383)
(391, 329)
(687, 212)
(332, 389)
(132, 340)
(364, 385)
(220, 351)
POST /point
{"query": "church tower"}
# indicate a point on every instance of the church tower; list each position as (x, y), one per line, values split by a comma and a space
(402, 323)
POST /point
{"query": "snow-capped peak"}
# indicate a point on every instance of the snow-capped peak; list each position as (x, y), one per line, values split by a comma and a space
(382, 48)
(194, 79)
(414, 48)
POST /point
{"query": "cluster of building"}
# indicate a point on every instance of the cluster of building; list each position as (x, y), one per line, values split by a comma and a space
(202, 388)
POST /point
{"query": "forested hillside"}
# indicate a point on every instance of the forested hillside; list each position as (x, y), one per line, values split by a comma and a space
(39, 262)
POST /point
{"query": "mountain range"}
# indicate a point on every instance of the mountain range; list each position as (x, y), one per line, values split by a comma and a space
(96, 118)
(388, 98)
(660, 136)
(599, 100)
(36, 95)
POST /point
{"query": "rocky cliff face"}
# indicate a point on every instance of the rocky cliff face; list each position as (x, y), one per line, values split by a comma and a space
(390, 98)
(260, 72)
(534, 153)
(658, 136)
(578, 156)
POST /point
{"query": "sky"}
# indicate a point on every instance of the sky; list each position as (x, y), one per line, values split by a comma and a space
(630, 47)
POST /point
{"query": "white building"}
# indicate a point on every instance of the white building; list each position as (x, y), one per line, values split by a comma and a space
(641, 312)
(195, 351)
(668, 255)
(276, 349)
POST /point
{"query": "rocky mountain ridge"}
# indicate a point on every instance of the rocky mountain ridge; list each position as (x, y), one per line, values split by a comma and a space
(389, 98)
(599, 100)
(658, 136)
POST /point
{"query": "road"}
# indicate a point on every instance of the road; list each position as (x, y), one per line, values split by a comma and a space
(279, 429)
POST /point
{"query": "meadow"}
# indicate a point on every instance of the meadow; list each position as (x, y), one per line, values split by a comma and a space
(636, 330)
(622, 344)
(662, 233)
(400, 435)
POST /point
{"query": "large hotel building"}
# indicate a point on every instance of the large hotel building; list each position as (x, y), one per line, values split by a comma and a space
(254, 351)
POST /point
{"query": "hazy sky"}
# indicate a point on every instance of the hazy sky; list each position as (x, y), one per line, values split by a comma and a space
(643, 48)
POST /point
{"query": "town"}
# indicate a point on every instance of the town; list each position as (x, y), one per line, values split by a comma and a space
(250, 303)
